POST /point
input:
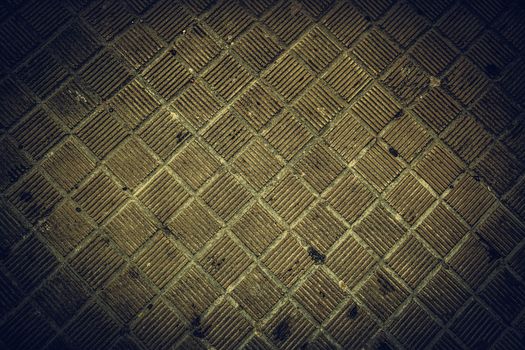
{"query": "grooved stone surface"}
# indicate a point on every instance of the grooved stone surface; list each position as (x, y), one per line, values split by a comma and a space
(262, 174)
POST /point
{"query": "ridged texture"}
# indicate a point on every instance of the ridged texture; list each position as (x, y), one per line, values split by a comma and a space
(320, 229)
(476, 326)
(195, 164)
(109, 19)
(34, 196)
(278, 135)
(474, 261)
(319, 105)
(38, 133)
(131, 227)
(352, 326)
(197, 104)
(97, 262)
(225, 261)
(382, 293)
(407, 137)
(18, 40)
(374, 8)
(345, 22)
(288, 77)
(228, 12)
(26, 329)
(75, 45)
(414, 327)
(257, 48)
(380, 230)
(69, 164)
(228, 77)
(437, 109)
(491, 51)
(412, 261)
(495, 111)
(348, 137)
(288, 327)
(226, 196)
(257, 229)
(319, 295)
(99, 196)
(470, 199)
(460, 26)
(404, 24)
(167, 76)
(105, 74)
(434, 53)
(499, 168)
(350, 197)
(347, 78)
(85, 328)
(16, 101)
(257, 293)
(62, 296)
(439, 168)
(159, 328)
(164, 133)
(320, 167)
(73, 103)
(162, 262)
(350, 261)
(376, 108)
(287, 21)
(191, 296)
(14, 164)
(65, 228)
(505, 294)
(257, 164)
(163, 195)
(226, 327)
(168, 19)
(379, 167)
(289, 198)
(287, 260)
(258, 106)
(406, 80)
(134, 103)
(127, 294)
(138, 46)
(443, 295)
(227, 135)
(317, 49)
(502, 231)
(43, 74)
(197, 47)
(11, 226)
(465, 81)
(409, 198)
(132, 162)
(376, 51)
(467, 138)
(194, 226)
(442, 229)
(30, 263)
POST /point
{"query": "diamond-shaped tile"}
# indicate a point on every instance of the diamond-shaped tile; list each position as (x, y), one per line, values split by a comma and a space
(376, 51)
(288, 76)
(317, 49)
(226, 326)
(439, 167)
(414, 327)
(257, 47)
(347, 78)
(168, 19)
(345, 22)
(197, 47)
(379, 167)
(134, 103)
(229, 19)
(225, 261)
(348, 137)
(406, 79)
(404, 24)
(258, 105)
(138, 46)
(197, 104)
(407, 137)
(288, 327)
(288, 20)
(227, 77)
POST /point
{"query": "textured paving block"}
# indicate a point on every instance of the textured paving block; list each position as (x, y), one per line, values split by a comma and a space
(288, 76)
(227, 135)
(257, 229)
(258, 106)
(43, 74)
(347, 78)
(348, 137)
(138, 46)
(16, 101)
(404, 24)
(501, 231)
(168, 19)
(14, 163)
(227, 77)
(345, 22)
(134, 103)
(437, 109)
(18, 40)
(288, 20)
(225, 261)
(377, 158)
(197, 47)
(318, 49)
(108, 18)
(12, 226)
(494, 111)
(197, 105)
(504, 294)
(257, 47)
(434, 53)
(75, 45)
(467, 138)
(406, 79)
(407, 137)
(465, 81)
(257, 293)
(162, 262)
(414, 327)
(460, 26)
(376, 51)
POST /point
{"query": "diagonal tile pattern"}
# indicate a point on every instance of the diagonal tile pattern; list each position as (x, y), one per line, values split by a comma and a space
(274, 174)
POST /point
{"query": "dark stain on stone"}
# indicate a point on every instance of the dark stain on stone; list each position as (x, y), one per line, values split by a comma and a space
(352, 312)
(477, 178)
(492, 71)
(173, 52)
(150, 306)
(384, 285)
(78, 209)
(492, 253)
(393, 151)
(26, 196)
(125, 188)
(316, 256)
(282, 331)
(134, 273)
(196, 327)
(399, 114)
(181, 136)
